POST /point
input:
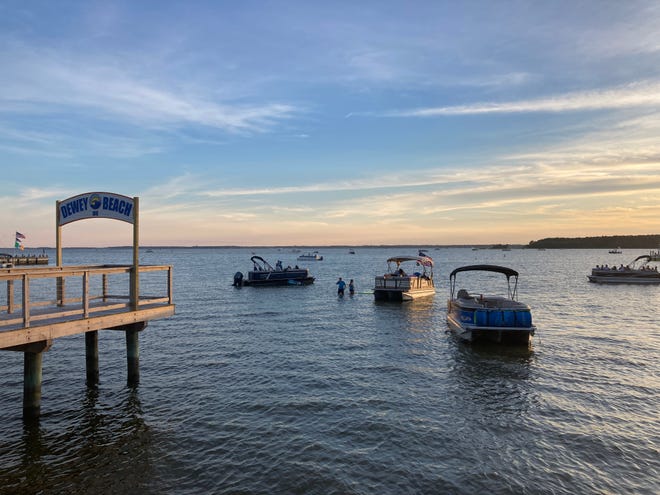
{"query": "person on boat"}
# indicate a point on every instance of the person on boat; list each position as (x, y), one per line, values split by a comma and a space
(401, 272)
(351, 287)
(278, 265)
(341, 285)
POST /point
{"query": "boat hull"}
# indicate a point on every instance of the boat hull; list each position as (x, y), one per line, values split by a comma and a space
(499, 335)
(270, 278)
(501, 325)
(278, 282)
(310, 257)
(401, 289)
(400, 295)
(614, 279)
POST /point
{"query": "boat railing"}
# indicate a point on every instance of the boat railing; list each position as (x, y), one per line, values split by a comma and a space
(405, 282)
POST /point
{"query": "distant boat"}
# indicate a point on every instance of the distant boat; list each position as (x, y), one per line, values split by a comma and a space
(637, 272)
(615, 251)
(310, 257)
(351, 251)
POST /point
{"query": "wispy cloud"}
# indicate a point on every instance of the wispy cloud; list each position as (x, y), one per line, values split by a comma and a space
(43, 82)
(633, 95)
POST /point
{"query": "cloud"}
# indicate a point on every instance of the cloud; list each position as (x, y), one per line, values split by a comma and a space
(42, 82)
(633, 95)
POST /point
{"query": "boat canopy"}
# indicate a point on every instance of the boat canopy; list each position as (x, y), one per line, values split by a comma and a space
(422, 260)
(509, 272)
(486, 268)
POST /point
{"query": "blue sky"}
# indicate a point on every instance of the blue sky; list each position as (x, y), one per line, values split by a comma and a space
(316, 123)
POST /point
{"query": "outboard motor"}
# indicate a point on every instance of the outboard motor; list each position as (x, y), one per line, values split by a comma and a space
(238, 279)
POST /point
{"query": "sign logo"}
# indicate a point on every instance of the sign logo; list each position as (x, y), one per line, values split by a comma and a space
(95, 201)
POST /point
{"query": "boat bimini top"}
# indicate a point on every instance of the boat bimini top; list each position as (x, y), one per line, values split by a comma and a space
(508, 272)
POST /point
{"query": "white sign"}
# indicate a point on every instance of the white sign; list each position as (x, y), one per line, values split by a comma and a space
(96, 205)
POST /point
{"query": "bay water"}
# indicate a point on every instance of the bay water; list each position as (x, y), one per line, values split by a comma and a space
(294, 390)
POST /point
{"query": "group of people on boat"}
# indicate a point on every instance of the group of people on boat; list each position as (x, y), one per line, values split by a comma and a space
(644, 268)
(341, 287)
(278, 267)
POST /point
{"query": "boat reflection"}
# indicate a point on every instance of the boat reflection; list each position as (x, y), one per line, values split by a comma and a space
(493, 383)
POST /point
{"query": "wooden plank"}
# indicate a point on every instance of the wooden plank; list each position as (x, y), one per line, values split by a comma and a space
(85, 295)
(26, 301)
(61, 312)
(12, 338)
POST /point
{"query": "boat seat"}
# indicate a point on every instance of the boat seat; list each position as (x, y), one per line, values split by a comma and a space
(463, 294)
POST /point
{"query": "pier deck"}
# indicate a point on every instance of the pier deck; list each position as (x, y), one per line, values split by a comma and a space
(50, 304)
(67, 300)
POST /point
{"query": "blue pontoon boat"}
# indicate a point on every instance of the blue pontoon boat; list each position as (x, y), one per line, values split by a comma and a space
(499, 319)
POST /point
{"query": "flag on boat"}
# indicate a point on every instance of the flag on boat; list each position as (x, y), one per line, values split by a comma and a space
(426, 261)
(19, 236)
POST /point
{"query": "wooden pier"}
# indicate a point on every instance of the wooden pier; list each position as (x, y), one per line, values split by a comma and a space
(68, 300)
(44, 303)
(23, 259)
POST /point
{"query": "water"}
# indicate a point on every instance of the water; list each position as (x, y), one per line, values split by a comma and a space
(293, 390)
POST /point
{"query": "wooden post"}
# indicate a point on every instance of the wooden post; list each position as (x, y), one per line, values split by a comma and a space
(92, 358)
(10, 296)
(26, 301)
(32, 384)
(85, 294)
(133, 355)
(58, 255)
(105, 287)
(135, 274)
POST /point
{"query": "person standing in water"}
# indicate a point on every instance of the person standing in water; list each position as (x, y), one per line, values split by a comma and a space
(351, 287)
(341, 285)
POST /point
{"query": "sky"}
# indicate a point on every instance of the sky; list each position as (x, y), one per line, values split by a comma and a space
(280, 123)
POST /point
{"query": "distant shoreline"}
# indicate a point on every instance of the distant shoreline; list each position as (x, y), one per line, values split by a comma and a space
(650, 241)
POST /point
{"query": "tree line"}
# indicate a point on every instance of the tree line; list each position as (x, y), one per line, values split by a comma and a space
(650, 241)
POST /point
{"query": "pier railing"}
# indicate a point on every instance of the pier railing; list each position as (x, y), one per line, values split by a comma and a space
(77, 299)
